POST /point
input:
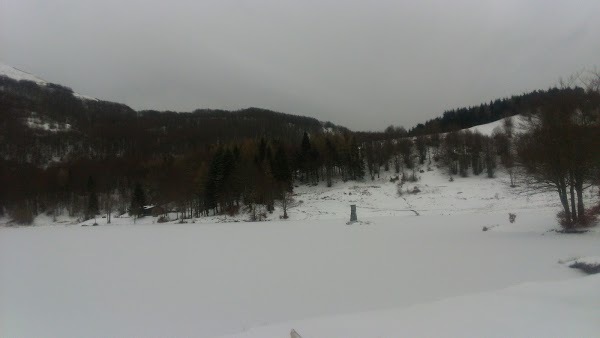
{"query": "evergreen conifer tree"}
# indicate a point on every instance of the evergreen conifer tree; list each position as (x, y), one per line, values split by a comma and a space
(92, 207)
(138, 201)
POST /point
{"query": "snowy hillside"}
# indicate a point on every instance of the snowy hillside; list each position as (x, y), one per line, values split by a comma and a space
(394, 274)
(19, 75)
(488, 128)
(438, 196)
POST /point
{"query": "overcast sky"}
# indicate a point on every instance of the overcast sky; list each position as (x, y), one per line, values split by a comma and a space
(361, 64)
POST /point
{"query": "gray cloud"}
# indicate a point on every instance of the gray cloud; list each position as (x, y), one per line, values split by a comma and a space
(362, 64)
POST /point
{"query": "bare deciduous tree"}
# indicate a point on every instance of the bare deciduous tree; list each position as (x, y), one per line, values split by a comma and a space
(559, 151)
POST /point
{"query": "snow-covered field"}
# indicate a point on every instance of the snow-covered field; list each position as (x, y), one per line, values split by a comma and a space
(549, 309)
(396, 274)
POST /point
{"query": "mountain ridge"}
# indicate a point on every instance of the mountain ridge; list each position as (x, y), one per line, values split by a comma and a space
(453, 119)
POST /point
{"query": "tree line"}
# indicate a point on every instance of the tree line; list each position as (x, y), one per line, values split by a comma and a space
(466, 117)
(221, 178)
(225, 178)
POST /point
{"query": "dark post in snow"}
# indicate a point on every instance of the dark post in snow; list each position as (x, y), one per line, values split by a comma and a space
(353, 213)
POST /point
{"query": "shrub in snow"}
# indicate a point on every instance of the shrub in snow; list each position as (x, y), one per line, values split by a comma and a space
(416, 190)
(162, 219)
(593, 213)
(512, 217)
(588, 219)
(399, 188)
(563, 220)
(587, 268)
(413, 177)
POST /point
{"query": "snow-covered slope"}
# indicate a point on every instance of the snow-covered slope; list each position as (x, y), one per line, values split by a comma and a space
(438, 196)
(488, 128)
(19, 75)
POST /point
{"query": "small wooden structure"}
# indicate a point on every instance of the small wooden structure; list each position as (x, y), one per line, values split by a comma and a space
(153, 210)
(353, 217)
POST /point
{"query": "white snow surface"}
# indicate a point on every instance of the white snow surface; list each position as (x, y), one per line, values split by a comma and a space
(396, 274)
(37, 123)
(19, 75)
(548, 309)
(488, 128)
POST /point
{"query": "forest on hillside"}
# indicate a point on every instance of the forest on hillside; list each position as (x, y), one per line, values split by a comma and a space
(64, 155)
(462, 118)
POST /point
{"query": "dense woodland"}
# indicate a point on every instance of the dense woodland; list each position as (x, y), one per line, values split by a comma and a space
(463, 118)
(60, 154)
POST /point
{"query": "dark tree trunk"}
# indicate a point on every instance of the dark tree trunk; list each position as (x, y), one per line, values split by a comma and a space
(573, 205)
(564, 200)
(580, 205)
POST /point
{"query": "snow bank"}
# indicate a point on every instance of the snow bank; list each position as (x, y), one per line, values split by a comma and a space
(590, 265)
(589, 260)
